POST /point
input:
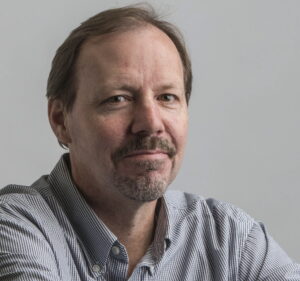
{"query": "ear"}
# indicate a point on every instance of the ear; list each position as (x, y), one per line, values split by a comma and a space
(57, 118)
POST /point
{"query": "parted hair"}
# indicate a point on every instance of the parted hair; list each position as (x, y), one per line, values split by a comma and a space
(62, 78)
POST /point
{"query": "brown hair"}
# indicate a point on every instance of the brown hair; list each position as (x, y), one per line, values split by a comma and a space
(62, 82)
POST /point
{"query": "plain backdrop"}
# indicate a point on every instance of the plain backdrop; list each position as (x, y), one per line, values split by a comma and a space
(244, 140)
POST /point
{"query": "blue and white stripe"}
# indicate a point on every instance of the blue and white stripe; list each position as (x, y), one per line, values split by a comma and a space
(49, 232)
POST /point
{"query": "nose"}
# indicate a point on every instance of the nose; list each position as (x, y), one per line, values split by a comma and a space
(147, 119)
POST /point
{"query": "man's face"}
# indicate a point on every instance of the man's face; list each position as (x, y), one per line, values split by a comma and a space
(128, 125)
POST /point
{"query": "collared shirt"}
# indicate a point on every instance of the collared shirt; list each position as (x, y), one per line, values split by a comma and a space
(49, 232)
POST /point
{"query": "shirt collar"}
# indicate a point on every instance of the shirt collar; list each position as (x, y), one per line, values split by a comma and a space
(94, 235)
(163, 225)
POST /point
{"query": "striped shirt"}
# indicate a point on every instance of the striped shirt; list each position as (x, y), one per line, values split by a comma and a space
(49, 232)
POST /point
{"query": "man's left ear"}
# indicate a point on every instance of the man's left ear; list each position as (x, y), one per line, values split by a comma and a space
(57, 119)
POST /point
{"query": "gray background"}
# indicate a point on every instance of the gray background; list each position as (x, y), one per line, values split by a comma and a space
(244, 114)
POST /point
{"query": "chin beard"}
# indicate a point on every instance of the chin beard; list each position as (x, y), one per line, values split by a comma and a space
(144, 187)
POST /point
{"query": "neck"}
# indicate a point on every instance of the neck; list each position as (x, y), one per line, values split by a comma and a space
(131, 221)
(128, 220)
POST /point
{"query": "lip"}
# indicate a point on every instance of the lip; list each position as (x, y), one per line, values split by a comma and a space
(146, 154)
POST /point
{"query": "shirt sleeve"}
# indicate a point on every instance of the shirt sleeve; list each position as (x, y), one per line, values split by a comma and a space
(263, 259)
(25, 254)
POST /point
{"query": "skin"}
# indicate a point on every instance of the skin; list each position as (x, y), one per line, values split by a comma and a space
(130, 90)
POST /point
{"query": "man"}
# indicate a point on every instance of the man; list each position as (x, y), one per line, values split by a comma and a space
(118, 94)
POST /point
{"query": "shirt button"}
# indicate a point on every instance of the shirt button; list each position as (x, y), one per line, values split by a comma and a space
(96, 268)
(115, 250)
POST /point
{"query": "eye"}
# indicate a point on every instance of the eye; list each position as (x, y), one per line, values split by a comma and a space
(168, 98)
(117, 99)
(116, 102)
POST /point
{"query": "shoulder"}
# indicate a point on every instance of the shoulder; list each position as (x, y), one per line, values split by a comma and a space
(27, 203)
(28, 233)
(27, 215)
(187, 202)
(219, 218)
(13, 193)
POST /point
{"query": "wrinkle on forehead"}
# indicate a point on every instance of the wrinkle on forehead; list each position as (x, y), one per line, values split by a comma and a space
(108, 43)
(131, 56)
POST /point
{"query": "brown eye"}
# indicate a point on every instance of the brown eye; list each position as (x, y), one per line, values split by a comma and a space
(117, 99)
(167, 97)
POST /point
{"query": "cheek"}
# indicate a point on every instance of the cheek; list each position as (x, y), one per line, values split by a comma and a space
(178, 128)
(109, 133)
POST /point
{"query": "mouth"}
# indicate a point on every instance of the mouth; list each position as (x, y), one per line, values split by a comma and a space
(147, 154)
(145, 148)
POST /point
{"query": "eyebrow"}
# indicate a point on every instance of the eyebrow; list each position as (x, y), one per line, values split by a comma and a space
(125, 86)
(129, 88)
(168, 87)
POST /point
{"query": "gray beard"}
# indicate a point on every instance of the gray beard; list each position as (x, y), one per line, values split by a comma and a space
(144, 187)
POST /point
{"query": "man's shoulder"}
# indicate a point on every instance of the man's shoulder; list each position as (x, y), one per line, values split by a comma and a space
(13, 192)
(25, 199)
(211, 209)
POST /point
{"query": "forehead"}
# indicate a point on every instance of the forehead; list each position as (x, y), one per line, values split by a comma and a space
(135, 37)
(145, 51)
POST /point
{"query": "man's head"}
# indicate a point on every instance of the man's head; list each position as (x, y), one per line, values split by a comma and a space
(62, 82)
(120, 104)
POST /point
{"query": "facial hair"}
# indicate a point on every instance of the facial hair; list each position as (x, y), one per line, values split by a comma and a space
(145, 186)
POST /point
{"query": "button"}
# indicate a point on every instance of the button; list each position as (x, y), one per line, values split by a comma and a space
(151, 269)
(96, 268)
(115, 250)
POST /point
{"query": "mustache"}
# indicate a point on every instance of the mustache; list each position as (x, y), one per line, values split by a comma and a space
(145, 143)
